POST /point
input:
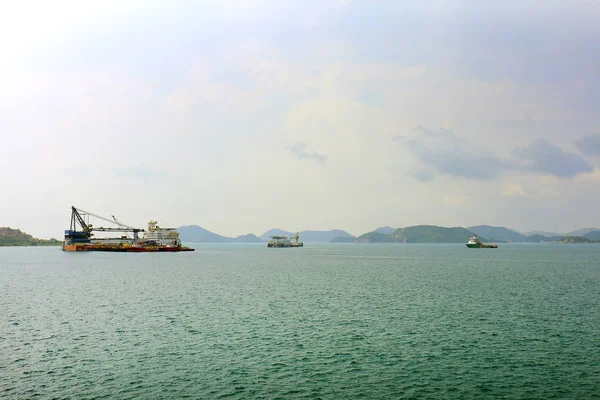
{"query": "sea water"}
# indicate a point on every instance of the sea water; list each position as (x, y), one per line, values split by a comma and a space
(242, 321)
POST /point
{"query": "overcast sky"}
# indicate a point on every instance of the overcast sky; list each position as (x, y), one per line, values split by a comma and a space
(241, 116)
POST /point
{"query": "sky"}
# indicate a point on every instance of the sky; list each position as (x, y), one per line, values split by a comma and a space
(241, 116)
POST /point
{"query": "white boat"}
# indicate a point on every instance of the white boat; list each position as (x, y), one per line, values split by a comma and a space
(475, 243)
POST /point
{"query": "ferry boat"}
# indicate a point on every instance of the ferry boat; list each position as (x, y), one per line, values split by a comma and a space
(475, 243)
(79, 237)
(284, 241)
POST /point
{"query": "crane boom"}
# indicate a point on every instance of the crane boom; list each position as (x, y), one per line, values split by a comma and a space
(112, 221)
(117, 230)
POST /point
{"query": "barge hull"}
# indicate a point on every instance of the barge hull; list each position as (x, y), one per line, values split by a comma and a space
(129, 249)
(482, 246)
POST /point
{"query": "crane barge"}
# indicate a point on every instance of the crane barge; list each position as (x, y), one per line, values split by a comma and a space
(80, 236)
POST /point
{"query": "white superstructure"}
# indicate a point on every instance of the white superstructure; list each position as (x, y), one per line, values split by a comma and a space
(279, 241)
(284, 241)
(162, 236)
(474, 240)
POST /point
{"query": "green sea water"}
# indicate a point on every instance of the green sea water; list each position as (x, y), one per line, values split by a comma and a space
(344, 321)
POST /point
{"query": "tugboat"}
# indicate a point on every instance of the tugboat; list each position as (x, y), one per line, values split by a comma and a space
(475, 243)
(284, 241)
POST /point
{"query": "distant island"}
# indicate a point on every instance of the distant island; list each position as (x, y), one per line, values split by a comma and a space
(577, 239)
(197, 234)
(386, 234)
(498, 234)
(388, 230)
(309, 236)
(415, 234)
(486, 233)
(579, 232)
(542, 238)
(14, 237)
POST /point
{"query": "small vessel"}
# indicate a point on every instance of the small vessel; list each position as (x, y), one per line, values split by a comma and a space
(156, 239)
(284, 241)
(475, 243)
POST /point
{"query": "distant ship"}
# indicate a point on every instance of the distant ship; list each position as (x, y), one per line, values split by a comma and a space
(156, 239)
(475, 243)
(284, 241)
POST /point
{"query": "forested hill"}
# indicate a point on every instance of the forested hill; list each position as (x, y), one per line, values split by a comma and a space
(14, 237)
(419, 234)
(497, 233)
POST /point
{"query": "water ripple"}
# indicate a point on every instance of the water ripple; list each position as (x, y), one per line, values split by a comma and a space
(325, 322)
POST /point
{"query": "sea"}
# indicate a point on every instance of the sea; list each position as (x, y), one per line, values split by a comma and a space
(326, 321)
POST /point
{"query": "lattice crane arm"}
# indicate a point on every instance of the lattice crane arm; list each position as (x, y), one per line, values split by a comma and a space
(80, 220)
(112, 221)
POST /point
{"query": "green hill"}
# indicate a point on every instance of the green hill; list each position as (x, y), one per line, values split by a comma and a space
(581, 232)
(388, 230)
(14, 237)
(542, 238)
(419, 234)
(593, 235)
(343, 239)
(433, 234)
(497, 233)
(577, 239)
(374, 237)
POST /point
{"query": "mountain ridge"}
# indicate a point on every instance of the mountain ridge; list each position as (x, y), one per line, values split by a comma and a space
(578, 232)
(593, 235)
(542, 238)
(541, 233)
(497, 233)
(419, 234)
(412, 234)
(198, 234)
(581, 232)
(309, 236)
(15, 237)
(386, 230)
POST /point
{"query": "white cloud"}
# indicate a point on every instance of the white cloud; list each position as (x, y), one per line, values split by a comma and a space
(447, 199)
(513, 190)
(218, 119)
(593, 176)
(199, 93)
(302, 151)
